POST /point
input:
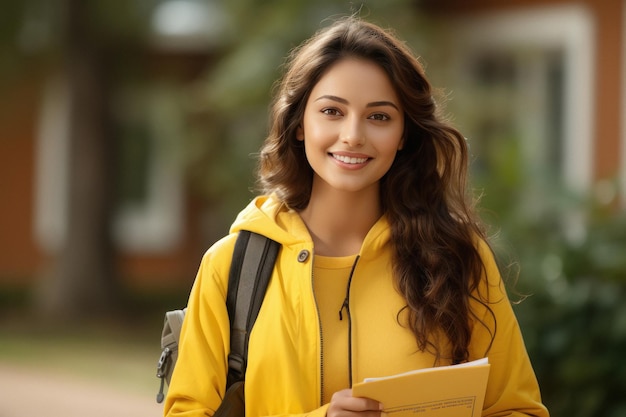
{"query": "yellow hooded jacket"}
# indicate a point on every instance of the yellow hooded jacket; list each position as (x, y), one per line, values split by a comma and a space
(284, 375)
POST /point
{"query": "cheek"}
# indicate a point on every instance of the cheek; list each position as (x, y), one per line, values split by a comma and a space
(319, 134)
(389, 142)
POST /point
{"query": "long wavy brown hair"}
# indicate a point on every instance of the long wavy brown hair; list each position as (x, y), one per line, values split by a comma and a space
(424, 195)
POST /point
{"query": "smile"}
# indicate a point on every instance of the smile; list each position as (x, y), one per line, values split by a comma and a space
(349, 160)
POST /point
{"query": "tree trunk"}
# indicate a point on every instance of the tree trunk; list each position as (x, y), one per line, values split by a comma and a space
(82, 281)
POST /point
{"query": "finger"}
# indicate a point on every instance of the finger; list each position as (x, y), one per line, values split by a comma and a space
(346, 401)
(343, 404)
(365, 404)
(336, 411)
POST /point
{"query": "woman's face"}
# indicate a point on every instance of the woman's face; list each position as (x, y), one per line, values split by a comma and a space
(352, 126)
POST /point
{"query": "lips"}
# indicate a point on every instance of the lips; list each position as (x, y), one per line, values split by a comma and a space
(350, 159)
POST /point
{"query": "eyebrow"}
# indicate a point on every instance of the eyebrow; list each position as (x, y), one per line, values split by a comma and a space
(372, 104)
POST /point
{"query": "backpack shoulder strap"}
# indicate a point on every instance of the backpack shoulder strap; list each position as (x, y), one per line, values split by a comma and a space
(251, 268)
(250, 272)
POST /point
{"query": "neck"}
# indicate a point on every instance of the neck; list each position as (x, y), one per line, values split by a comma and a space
(339, 221)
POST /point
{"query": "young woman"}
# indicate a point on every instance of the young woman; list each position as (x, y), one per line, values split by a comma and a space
(383, 266)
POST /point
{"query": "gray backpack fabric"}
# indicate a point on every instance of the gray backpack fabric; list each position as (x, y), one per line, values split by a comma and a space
(250, 271)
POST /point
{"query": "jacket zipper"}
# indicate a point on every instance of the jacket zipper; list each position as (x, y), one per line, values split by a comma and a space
(346, 306)
(319, 322)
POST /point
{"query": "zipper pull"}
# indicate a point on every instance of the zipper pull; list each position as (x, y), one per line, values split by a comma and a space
(162, 366)
(160, 395)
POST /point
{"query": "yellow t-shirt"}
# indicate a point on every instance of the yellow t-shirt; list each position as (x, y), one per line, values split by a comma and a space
(330, 281)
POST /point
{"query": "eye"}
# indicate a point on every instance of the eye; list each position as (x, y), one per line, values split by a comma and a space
(330, 111)
(379, 117)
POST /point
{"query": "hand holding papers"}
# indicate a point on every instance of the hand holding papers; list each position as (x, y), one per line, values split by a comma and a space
(446, 391)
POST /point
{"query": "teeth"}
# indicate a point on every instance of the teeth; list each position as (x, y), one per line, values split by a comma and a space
(349, 160)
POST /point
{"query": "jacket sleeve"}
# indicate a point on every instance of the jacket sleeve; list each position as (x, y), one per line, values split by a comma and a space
(199, 380)
(512, 389)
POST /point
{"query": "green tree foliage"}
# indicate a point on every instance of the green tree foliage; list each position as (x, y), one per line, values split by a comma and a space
(578, 319)
(566, 258)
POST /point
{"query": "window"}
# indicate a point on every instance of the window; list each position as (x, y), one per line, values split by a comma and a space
(149, 214)
(150, 196)
(525, 78)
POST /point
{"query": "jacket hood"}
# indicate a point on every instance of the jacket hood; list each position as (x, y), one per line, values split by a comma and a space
(270, 217)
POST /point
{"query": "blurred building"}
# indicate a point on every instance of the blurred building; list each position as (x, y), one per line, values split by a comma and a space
(548, 74)
(158, 230)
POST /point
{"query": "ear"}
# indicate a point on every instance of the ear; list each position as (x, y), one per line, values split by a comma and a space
(300, 133)
(401, 144)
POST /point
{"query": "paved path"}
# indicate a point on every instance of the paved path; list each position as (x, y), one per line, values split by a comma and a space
(27, 392)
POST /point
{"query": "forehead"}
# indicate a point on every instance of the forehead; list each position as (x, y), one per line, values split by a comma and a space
(357, 80)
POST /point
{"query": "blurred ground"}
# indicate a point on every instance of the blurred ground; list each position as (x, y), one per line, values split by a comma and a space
(92, 370)
(28, 392)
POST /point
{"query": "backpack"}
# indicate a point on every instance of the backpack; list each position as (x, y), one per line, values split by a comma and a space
(250, 271)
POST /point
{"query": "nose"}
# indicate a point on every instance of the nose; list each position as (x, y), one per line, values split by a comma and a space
(352, 132)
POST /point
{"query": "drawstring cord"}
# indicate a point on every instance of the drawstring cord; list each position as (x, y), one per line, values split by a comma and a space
(346, 306)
